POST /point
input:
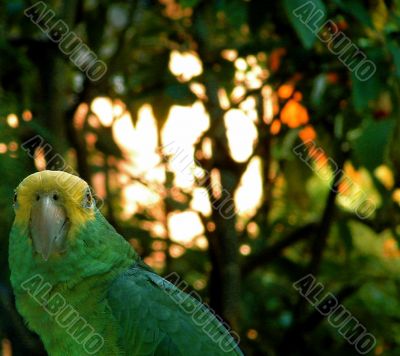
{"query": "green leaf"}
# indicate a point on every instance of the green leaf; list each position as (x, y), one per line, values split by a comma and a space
(188, 3)
(364, 91)
(357, 9)
(369, 147)
(395, 50)
(235, 11)
(305, 17)
(15, 7)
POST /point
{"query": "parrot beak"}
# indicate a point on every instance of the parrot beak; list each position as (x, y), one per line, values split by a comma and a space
(49, 226)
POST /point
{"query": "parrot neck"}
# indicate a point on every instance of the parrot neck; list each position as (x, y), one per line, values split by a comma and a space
(69, 321)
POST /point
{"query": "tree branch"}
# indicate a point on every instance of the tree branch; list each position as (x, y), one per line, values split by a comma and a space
(319, 244)
(267, 255)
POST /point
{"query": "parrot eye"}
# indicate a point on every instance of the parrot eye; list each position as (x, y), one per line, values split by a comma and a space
(88, 201)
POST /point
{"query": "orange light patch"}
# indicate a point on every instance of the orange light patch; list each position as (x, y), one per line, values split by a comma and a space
(353, 173)
(298, 96)
(27, 115)
(6, 347)
(252, 334)
(391, 249)
(308, 134)
(285, 91)
(13, 146)
(80, 116)
(275, 127)
(3, 148)
(332, 78)
(396, 196)
(294, 114)
(318, 156)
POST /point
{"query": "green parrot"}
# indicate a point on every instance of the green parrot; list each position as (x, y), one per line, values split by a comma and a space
(83, 289)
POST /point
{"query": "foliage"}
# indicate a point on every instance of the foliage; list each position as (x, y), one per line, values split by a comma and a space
(300, 225)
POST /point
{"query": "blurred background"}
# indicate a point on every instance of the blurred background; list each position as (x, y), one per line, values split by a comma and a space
(203, 101)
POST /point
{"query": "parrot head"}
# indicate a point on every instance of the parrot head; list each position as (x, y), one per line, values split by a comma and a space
(50, 205)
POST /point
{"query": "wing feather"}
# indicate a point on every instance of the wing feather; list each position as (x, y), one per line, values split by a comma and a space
(153, 322)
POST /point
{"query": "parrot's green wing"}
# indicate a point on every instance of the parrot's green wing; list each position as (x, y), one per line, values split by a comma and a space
(156, 318)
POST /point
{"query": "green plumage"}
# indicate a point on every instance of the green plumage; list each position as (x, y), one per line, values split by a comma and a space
(101, 279)
(160, 319)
